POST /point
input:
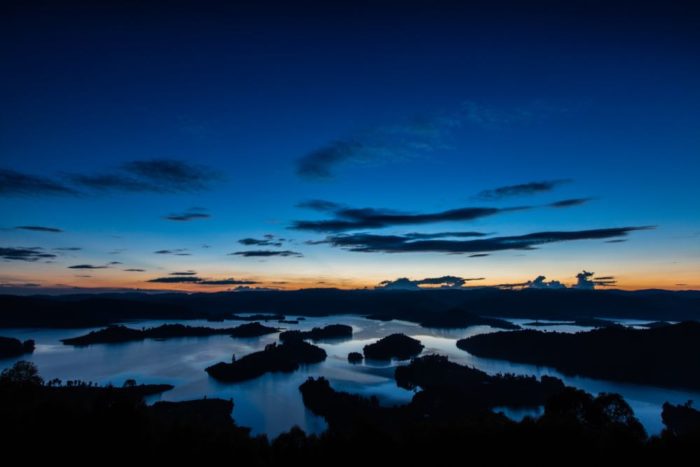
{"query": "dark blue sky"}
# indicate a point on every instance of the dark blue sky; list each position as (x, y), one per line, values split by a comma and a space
(117, 117)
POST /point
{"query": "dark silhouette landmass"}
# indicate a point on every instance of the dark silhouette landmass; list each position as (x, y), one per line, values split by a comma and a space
(466, 387)
(258, 317)
(398, 346)
(332, 331)
(284, 358)
(84, 310)
(584, 322)
(656, 324)
(11, 347)
(355, 357)
(666, 356)
(457, 318)
(681, 420)
(44, 421)
(118, 334)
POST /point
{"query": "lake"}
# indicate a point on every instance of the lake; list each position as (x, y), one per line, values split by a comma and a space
(272, 403)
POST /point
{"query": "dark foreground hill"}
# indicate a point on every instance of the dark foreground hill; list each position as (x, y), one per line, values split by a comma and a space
(41, 422)
(663, 356)
(424, 306)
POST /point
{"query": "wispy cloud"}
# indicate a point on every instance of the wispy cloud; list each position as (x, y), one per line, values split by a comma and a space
(267, 240)
(363, 242)
(38, 228)
(176, 252)
(153, 175)
(189, 215)
(200, 281)
(522, 189)
(13, 183)
(571, 202)
(346, 219)
(88, 266)
(29, 254)
(266, 253)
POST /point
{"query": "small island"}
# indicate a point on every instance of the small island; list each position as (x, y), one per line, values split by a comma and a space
(457, 318)
(398, 346)
(332, 331)
(355, 357)
(286, 358)
(666, 356)
(11, 347)
(119, 333)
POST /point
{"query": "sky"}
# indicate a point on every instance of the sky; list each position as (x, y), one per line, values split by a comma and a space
(206, 147)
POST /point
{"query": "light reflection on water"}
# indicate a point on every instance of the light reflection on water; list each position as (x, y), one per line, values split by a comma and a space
(272, 403)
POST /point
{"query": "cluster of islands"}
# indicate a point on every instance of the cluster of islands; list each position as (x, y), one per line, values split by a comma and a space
(452, 407)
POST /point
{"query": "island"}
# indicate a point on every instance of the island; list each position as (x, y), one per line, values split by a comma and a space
(11, 347)
(355, 357)
(285, 357)
(456, 318)
(667, 356)
(118, 333)
(332, 331)
(398, 346)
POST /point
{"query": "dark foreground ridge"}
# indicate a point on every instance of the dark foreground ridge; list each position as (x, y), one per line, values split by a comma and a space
(117, 334)
(666, 356)
(422, 306)
(50, 420)
(398, 346)
(332, 331)
(11, 347)
(284, 358)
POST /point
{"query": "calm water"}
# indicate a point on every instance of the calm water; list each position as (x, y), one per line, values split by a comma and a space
(272, 404)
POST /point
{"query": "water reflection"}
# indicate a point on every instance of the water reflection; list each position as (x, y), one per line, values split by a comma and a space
(272, 404)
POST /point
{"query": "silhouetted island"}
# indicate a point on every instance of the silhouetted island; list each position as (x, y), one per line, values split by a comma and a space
(284, 357)
(664, 356)
(117, 334)
(583, 322)
(11, 347)
(332, 331)
(468, 387)
(457, 318)
(398, 346)
(355, 357)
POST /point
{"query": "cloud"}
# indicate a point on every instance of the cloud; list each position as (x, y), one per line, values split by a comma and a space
(411, 138)
(135, 270)
(183, 273)
(364, 242)
(586, 280)
(27, 284)
(229, 281)
(176, 279)
(38, 228)
(445, 282)
(199, 281)
(523, 189)
(87, 266)
(189, 215)
(567, 203)
(479, 255)
(114, 262)
(319, 205)
(540, 283)
(68, 248)
(266, 253)
(29, 254)
(267, 240)
(176, 252)
(154, 175)
(13, 183)
(369, 218)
